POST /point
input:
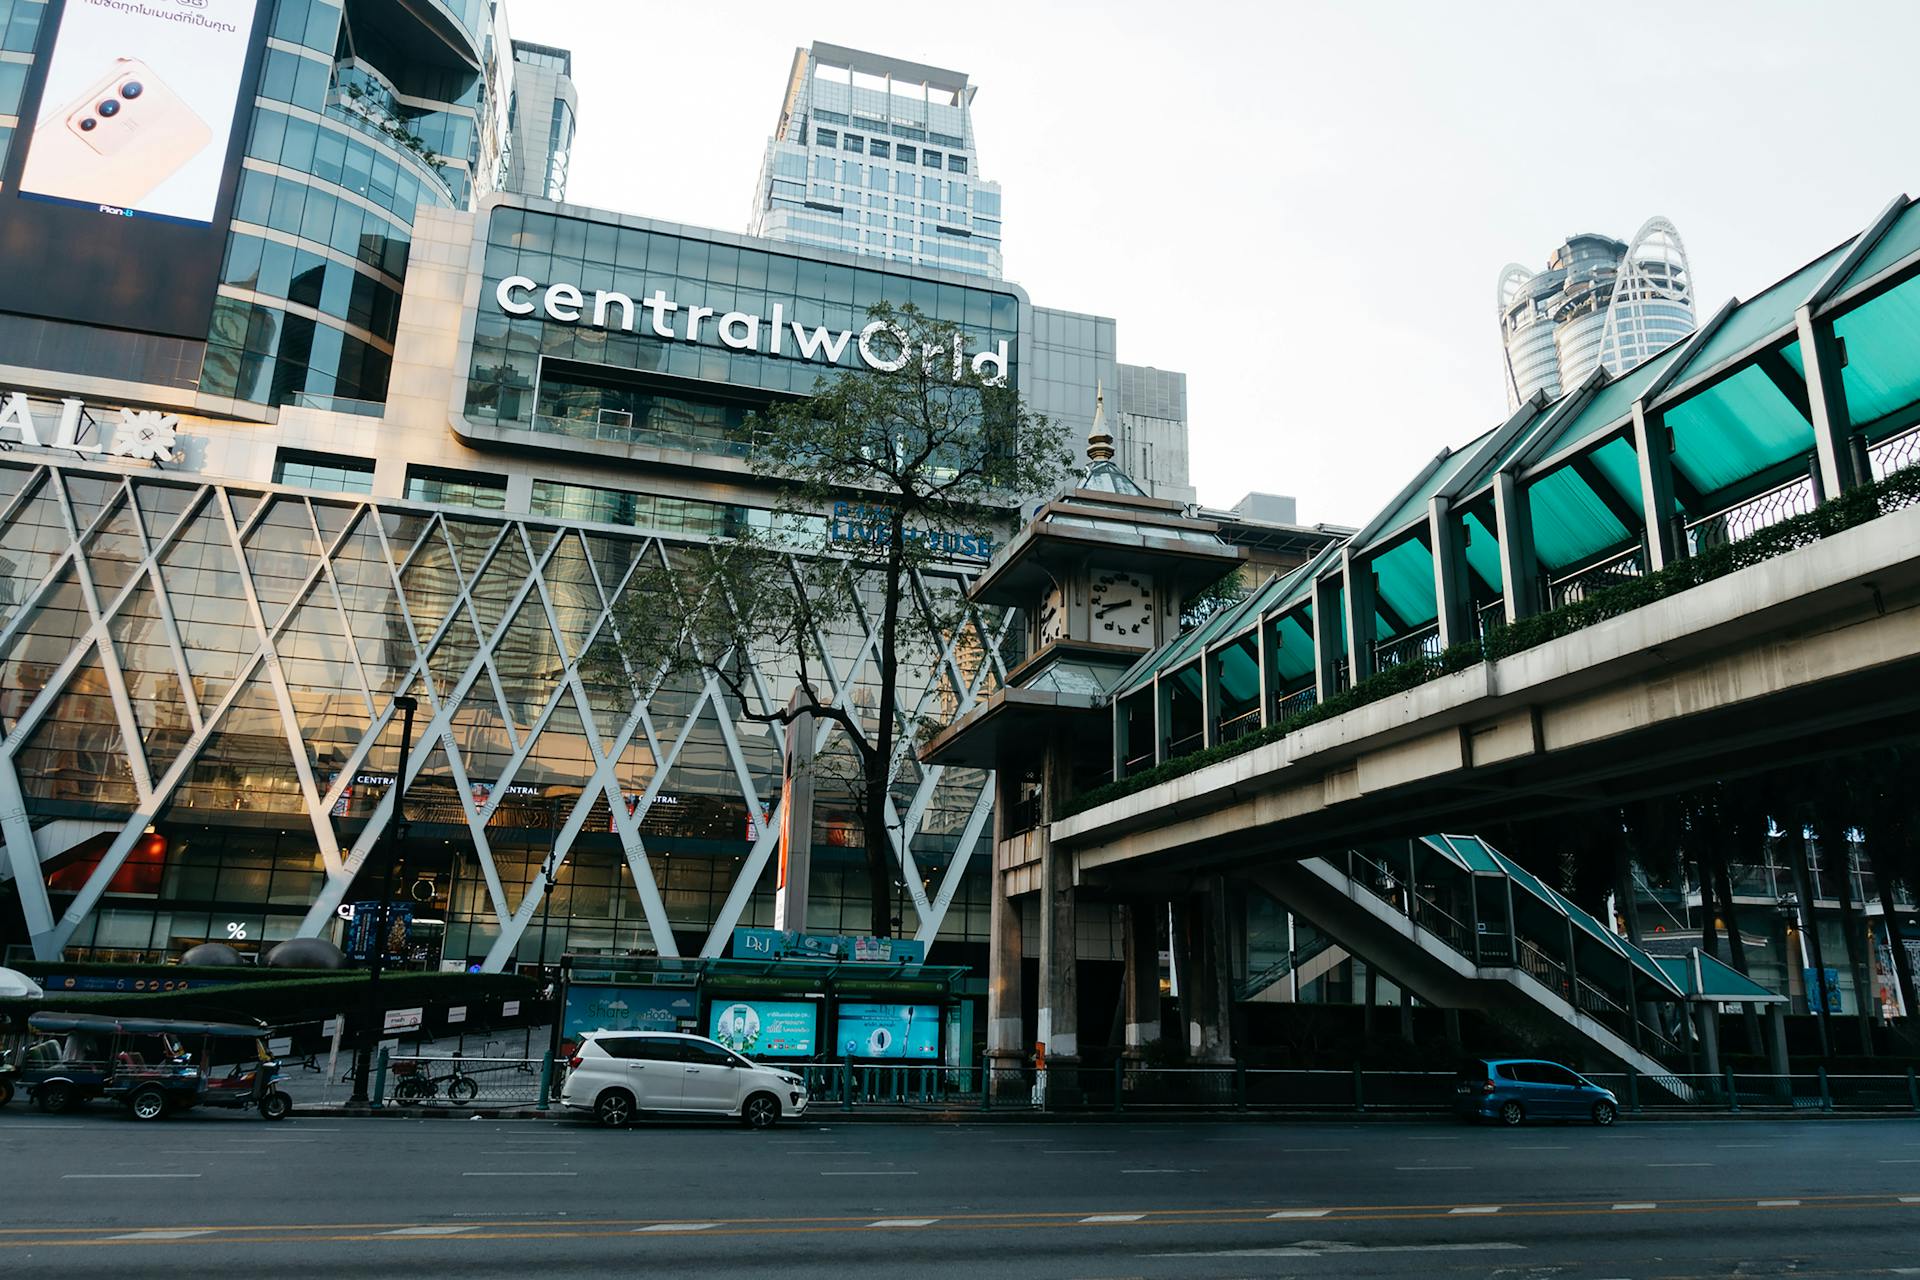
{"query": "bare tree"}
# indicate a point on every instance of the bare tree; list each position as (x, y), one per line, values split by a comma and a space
(884, 476)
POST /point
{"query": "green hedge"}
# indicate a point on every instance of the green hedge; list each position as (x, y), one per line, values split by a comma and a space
(1855, 507)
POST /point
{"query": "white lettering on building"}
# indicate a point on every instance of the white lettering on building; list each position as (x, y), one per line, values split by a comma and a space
(145, 435)
(737, 330)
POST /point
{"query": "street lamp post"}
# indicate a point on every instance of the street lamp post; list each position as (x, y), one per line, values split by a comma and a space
(550, 875)
(393, 843)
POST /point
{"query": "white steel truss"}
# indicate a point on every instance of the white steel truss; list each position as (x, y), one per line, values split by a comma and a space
(485, 618)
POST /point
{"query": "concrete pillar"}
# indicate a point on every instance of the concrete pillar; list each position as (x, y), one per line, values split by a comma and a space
(1358, 575)
(1006, 1038)
(1328, 626)
(1777, 1060)
(1653, 444)
(1207, 998)
(1706, 1016)
(1451, 591)
(1057, 1019)
(1513, 526)
(1141, 949)
(1827, 404)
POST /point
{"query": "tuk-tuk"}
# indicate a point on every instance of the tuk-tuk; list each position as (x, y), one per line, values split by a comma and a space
(150, 1066)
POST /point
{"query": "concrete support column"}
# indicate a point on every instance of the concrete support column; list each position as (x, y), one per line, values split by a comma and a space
(1777, 1060)
(1450, 587)
(1141, 949)
(1328, 627)
(1519, 567)
(1057, 1019)
(1358, 575)
(1820, 358)
(1206, 978)
(1707, 1017)
(1006, 1038)
(1654, 445)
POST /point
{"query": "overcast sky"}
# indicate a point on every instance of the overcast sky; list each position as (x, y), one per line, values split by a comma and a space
(1304, 206)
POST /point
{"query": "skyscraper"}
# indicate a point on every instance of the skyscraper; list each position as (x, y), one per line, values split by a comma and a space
(875, 155)
(1599, 302)
(542, 116)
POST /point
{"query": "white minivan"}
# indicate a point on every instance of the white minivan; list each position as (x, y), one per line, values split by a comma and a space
(619, 1074)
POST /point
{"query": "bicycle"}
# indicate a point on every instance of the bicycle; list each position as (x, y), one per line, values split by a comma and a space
(412, 1084)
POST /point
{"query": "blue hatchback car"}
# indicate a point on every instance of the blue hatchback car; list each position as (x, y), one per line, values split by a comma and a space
(1515, 1090)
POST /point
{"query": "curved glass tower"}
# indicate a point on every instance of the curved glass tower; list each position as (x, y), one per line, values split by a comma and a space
(1599, 301)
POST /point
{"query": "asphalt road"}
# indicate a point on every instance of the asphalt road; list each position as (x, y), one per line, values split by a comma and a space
(326, 1196)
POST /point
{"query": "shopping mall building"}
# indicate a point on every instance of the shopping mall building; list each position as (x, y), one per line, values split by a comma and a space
(412, 432)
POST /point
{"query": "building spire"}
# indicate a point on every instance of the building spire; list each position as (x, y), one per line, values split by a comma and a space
(1099, 439)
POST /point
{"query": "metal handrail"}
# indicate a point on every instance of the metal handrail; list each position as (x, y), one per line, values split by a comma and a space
(1747, 517)
(1295, 702)
(1631, 563)
(1423, 643)
(1894, 453)
(1236, 726)
(1254, 983)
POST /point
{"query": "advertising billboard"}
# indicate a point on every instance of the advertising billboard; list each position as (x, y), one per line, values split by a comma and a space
(888, 1031)
(762, 1029)
(128, 164)
(615, 1008)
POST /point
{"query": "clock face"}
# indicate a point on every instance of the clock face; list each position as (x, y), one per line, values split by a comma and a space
(1050, 623)
(1122, 608)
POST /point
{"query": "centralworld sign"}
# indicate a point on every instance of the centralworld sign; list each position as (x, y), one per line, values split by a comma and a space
(881, 345)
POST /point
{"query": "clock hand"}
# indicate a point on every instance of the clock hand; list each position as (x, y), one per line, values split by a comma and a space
(1110, 607)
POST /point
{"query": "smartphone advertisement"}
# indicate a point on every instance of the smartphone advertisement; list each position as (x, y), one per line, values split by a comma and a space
(762, 1029)
(123, 170)
(888, 1031)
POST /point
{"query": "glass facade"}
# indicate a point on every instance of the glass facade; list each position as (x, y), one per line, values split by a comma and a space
(237, 697)
(875, 156)
(638, 388)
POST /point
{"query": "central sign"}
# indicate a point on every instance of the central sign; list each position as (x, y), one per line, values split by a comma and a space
(881, 345)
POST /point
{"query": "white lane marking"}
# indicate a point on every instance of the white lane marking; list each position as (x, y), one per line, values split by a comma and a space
(1776, 1204)
(1115, 1217)
(71, 1176)
(517, 1173)
(1433, 1168)
(1301, 1213)
(1081, 1151)
(1547, 1148)
(1475, 1208)
(904, 1222)
(1910, 1199)
(1900, 1162)
(1636, 1204)
(1331, 1247)
(1689, 1164)
(1311, 1151)
(678, 1226)
(1158, 1171)
(181, 1233)
(430, 1231)
(869, 1173)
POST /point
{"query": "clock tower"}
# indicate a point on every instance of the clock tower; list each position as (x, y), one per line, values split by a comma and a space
(1101, 573)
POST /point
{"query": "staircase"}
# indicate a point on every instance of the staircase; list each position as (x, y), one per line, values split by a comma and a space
(1461, 926)
(1318, 957)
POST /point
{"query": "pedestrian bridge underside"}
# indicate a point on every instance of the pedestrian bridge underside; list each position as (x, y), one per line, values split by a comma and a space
(1811, 652)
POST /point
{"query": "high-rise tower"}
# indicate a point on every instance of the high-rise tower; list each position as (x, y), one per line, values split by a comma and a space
(875, 155)
(1598, 302)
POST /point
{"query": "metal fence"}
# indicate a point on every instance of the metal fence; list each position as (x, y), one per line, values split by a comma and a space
(1130, 1087)
(461, 1082)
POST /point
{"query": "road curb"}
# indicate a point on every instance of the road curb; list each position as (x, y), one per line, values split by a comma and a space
(974, 1116)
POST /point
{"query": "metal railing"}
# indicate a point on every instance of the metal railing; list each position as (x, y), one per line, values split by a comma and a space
(339, 404)
(1295, 702)
(1424, 643)
(1239, 726)
(1747, 517)
(1489, 618)
(1259, 980)
(1629, 564)
(1177, 747)
(463, 1082)
(1026, 813)
(1894, 453)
